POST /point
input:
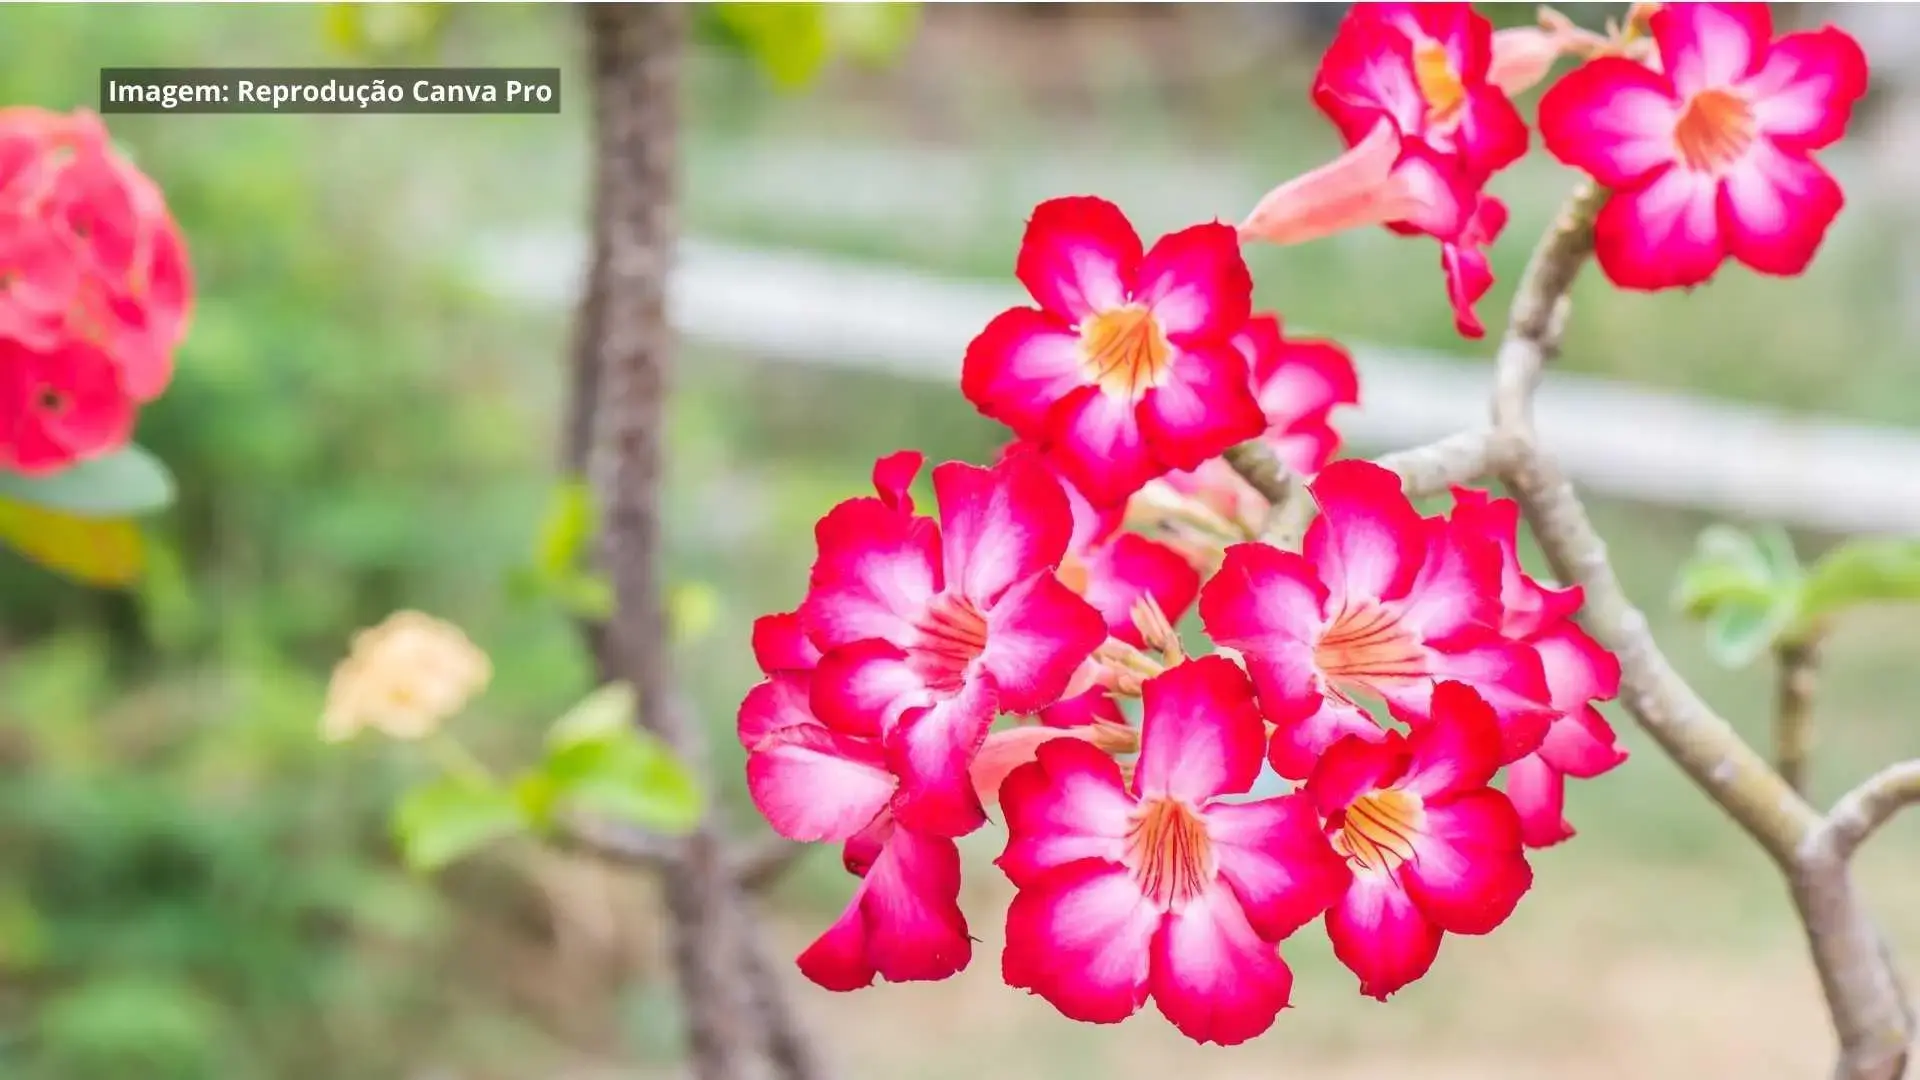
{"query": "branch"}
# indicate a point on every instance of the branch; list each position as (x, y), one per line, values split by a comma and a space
(1863, 994)
(754, 870)
(1291, 503)
(1439, 465)
(1874, 803)
(1797, 667)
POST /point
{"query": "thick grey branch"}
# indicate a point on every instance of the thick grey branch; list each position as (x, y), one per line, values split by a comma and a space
(1442, 464)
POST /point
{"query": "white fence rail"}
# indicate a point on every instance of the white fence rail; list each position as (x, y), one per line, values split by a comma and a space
(1655, 447)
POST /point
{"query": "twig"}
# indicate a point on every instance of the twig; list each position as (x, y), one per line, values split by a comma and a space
(1797, 669)
(1432, 469)
(1864, 809)
(1291, 504)
(756, 869)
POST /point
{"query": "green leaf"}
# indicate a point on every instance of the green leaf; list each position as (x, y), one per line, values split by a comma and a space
(384, 29)
(1746, 586)
(871, 33)
(447, 819)
(93, 551)
(692, 609)
(583, 596)
(629, 776)
(1737, 633)
(789, 41)
(1861, 572)
(604, 714)
(566, 529)
(126, 483)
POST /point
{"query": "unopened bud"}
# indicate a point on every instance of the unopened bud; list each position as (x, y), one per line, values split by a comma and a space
(1156, 630)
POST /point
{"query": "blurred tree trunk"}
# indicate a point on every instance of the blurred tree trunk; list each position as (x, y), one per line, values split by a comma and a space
(616, 417)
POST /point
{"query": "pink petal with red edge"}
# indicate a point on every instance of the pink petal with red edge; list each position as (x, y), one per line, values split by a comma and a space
(1703, 46)
(778, 702)
(1582, 744)
(1213, 977)
(1079, 256)
(1298, 741)
(1775, 208)
(876, 570)
(1469, 870)
(1438, 189)
(1664, 235)
(1458, 749)
(1001, 525)
(1359, 188)
(1577, 668)
(1203, 407)
(1538, 793)
(1067, 805)
(1368, 541)
(1129, 567)
(1081, 938)
(904, 921)
(1020, 365)
(1196, 282)
(893, 475)
(1458, 586)
(780, 643)
(1504, 674)
(1263, 600)
(1307, 447)
(1380, 935)
(1202, 735)
(811, 783)
(1613, 119)
(1352, 767)
(1037, 635)
(863, 688)
(1295, 380)
(1087, 707)
(1366, 74)
(1491, 135)
(1008, 749)
(931, 750)
(1091, 524)
(1803, 94)
(1097, 442)
(1275, 857)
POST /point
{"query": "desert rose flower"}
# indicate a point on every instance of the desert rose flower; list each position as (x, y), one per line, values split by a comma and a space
(929, 629)
(1381, 602)
(1170, 886)
(1710, 157)
(404, 678)
(1464, 259)
(1126, 369)
(1432, 848)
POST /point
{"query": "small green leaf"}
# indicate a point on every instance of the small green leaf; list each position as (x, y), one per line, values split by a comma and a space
(565, 530)
(603, 714)
(127, 483)
(1746, 586)
(583, 596)
(1862, 572)
(630, 777)
(442, 821)
(871, 34)
(101, 552)
(1737, 633)
(788, 40)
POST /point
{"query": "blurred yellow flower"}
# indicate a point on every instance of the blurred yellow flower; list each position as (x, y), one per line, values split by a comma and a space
(404, 678)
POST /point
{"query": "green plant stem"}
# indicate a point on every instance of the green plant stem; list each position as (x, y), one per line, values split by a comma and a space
(1797, 665)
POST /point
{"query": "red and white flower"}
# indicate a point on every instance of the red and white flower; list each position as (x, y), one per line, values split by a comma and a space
(1710, 157)
(1579, 742)
(1169, 887)
(94, 291)
(930, 629)
(1382, 602)
(1433, 850)
(817, 782)
(1126, 369)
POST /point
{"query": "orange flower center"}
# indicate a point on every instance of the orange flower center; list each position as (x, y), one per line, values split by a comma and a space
(1439, 83)
(1074, 573)
(1367, 644)
(1378, 830)
(1125, 350)
(1714, 129)
(1169, 852)
(952, 634)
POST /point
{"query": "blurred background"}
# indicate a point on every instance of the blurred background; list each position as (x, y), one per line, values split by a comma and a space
(193, 886)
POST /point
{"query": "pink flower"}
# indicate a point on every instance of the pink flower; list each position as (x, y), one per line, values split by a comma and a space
(1579, 672)
(1385, 178)
(1711, 156)
(1432, 849)
(1469, 274)
(59, 404)
(929, 629)
(1126, 369)
(1381, 602)
(1425, 67)
(817, 782)
(1168, 887)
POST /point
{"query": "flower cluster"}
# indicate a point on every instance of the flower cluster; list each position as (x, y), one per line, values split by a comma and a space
(94, 291)
(1389, 706)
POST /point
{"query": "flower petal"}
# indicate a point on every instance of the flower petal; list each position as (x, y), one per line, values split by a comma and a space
(777, 702)
(904, 921)
(1068, 804)
(1803, 94)
(1458, 586)
(876, 570)
(1612, 118)
(1704, 46)
(1577, 668)
(780, 643)
(1263, 600)
(1352, 767)
(812, 783)
(1368, 541)
(931, 750)
(1775, 209)
(893, 475)
(863, 688)
(1275, 857)
(1538, 792)
(1295, 380)
(1204, 406)
(1129, 567)
(1081, 938)
(1664, 234)
(1089, 706)
(1195, 281)
(1213, 976)
(1001, 525)
(1095, 439)
(1357, 189)
(1457, 749)
(1079, 256)
(1020, 365)
(1298, 741)
(1469, 870)
(1381, 936)
(1202, 735)
(1037, 635)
